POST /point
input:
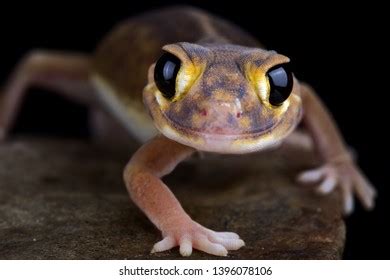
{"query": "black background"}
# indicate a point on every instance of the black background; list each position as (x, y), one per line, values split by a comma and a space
(337, 49)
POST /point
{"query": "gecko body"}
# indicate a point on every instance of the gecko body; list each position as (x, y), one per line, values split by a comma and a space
(182, 80)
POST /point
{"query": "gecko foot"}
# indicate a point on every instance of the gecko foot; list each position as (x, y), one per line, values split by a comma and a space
(189, 235)
(348, 177)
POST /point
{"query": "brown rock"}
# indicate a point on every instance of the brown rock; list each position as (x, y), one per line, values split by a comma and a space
(63, 199)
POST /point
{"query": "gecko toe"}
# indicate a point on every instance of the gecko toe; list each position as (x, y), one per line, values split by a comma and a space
(327, 185)
(227, 235)
(186, 246)
(203, 244)
(166, 244)
(229, 244)
(311, 176)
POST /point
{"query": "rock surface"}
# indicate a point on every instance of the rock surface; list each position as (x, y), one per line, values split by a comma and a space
(65, 199)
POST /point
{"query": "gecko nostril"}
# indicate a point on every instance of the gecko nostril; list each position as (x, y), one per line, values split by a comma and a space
(238, 115)
(203, 112)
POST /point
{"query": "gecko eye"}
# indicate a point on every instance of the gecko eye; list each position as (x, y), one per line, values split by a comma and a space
(165, 72)
(281, 82)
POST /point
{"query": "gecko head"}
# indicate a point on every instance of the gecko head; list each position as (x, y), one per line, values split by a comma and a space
(222, 98)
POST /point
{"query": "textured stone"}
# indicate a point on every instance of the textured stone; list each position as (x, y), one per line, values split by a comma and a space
(65, 199)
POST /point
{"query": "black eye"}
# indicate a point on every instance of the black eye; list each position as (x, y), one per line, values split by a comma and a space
(165, 74)
(281, 82)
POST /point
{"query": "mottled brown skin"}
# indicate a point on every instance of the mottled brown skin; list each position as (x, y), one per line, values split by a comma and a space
(221, 104)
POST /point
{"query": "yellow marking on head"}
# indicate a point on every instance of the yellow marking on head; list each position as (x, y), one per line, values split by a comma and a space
(259, 81)
(180, 137)
(161, 100)
(196, 119)
(263, 88)
(258, 143)
(245, 122)
(257, 77)
(186, 76)
(280, 110)
(220, 94)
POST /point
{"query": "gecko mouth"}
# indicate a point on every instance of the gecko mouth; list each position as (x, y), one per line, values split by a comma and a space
(219, 132)
(223, 132)
(223, 141)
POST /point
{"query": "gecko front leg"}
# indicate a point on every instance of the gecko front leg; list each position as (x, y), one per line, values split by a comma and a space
(142, 177)
(339, 168)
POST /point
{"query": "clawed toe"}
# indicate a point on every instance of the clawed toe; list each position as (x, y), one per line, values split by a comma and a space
(310, 176)
(200, 238)
(229, 244)
(324, 177)
(186, 246)
(327, 185)
(348, 178)
(205, 245)
(226, 234)
(166, 244)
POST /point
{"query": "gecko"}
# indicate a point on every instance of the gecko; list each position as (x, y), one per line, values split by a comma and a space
(182, 80)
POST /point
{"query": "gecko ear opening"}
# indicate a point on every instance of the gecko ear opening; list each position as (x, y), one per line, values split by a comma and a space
(165, 73)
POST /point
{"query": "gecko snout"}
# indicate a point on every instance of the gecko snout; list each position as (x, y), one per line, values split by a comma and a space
(221, 118)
